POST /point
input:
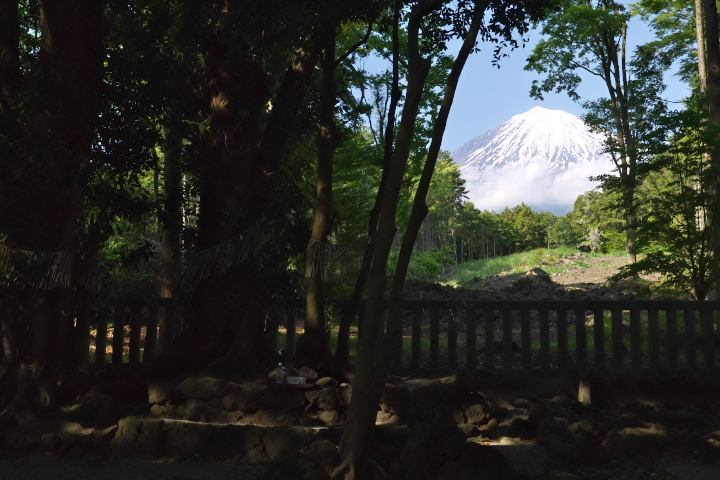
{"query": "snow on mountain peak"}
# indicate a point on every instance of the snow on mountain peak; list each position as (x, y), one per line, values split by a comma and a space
(541, 157)
(553, 136)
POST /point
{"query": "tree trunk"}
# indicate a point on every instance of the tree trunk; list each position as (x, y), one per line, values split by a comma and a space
(711, 65)
(314, 344)
(172, 211)
(226, 324)
(371, 372)
(366, 389)
(9, 53)
(42, 206)
(348, 315)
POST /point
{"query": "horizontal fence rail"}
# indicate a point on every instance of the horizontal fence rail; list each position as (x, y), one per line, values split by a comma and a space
(556, 335)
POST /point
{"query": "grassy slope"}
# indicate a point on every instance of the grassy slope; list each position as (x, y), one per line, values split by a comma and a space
(517, 262)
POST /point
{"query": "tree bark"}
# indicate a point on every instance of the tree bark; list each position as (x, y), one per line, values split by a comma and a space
(226, 324)
(43, 191)
(708, 49)
(371, 371)
(314, 344)
(348, 315)
(172, 209)
(9, 53)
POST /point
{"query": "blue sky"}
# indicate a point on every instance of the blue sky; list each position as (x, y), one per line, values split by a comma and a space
(487, 96)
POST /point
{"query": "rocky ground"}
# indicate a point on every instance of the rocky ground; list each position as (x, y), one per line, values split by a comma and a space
(455, 427)
(577, 277)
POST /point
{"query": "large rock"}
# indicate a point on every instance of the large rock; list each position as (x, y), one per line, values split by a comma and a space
(284, 399)
(280, 442)
(199, 411)
(139, 437)
(394, 400)
(330, 417)
(324, 399)
(438, 402)
(306, 372)
(345, 395)
(476, 414)
(202, 388)
(324, 454)
(184, 438)
(242, 397)
(162, 392)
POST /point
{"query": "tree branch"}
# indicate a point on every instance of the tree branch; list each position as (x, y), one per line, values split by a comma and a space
(359, 44)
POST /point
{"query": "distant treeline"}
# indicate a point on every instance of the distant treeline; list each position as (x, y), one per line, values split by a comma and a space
(455, 232)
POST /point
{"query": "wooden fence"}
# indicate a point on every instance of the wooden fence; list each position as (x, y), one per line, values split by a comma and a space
(527, 336)
(127, 335)
(558, 335)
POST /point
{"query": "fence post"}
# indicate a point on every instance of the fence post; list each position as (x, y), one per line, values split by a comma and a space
(654, 337)
(599, 338)
(617, 338)
(452, 338)
(135, 334)
(507, 338)
(544, 338)
(290, 337)
(708, 338)
(151, 333)
(635, 340)
(101, 338)
(690, 339)
(118, 334)
(562, 338)
(526, 338)
(83, 326)
(672, 338)
(416, 337)
(470, 337)
(489, 319)
(581, 353)
(434, 337)
(399, 354)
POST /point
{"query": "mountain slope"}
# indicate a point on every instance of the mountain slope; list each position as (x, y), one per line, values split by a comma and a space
(556, 137)
(541, 157)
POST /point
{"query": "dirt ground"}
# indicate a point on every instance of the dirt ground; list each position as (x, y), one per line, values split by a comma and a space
(578, 277)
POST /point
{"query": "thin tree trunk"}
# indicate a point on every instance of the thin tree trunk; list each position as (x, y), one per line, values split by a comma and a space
(348, 315)
(371, 374)
(314, 343)
(172, 196)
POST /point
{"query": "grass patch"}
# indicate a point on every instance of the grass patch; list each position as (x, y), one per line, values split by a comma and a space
(517, 262)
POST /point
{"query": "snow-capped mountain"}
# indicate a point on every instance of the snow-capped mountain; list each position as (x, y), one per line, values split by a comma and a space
(541, 157)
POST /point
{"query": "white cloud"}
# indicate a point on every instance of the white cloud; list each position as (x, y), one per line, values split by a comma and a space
(494, 190)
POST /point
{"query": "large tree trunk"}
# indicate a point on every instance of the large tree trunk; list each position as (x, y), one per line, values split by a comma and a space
(709, 69)
(43, 198)
(9, 52)
(226, 324)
